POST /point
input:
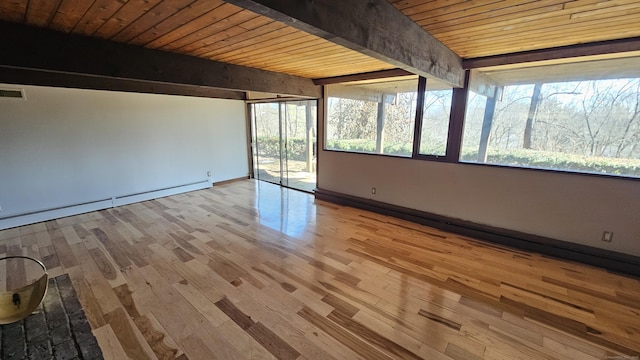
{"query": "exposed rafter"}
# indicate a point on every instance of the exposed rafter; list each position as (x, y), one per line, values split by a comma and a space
(563, 52)
(362, 76)
(58, 79)
(28, 48)
(373, 27)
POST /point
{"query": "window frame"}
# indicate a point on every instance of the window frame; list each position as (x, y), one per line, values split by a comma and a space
(459, 96)
(326, 96)
(456, 123)
(498, 94)
(455, 133)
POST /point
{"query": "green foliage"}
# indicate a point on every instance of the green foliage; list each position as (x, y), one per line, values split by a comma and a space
(369, 146)
(558, 161)
(398, 149)
(519, 158)
(355, 145)
(270, 147)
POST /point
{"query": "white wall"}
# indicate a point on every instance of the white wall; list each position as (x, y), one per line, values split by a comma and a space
(561, 206)
(63, 147)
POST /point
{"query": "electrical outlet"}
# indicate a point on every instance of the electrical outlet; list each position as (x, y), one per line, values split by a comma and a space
(373, 190)
(208, 173)
(607, 236)
(0, 208)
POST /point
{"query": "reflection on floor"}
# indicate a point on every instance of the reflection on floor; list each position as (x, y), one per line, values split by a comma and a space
(250, 270)
(285, 210)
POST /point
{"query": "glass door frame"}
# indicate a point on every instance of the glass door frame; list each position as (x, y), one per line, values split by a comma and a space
(283, 134)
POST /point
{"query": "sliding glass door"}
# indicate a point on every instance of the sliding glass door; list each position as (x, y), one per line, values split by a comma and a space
(283, 136)
(266, 142)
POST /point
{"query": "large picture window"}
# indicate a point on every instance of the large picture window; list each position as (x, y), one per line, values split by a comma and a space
(372, 116)
(570, 118)
(579, 117)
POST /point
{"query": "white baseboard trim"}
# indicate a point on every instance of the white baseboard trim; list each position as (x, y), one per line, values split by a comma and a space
(150, 195)
(46, 215)
(70, 210)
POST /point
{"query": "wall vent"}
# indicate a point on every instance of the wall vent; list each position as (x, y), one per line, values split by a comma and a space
(17, 94)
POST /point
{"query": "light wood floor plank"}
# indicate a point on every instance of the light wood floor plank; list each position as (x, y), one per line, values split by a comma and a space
(109, 343)
(228, 273)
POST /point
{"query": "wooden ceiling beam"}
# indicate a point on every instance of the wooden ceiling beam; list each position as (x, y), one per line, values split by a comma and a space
(373, 27)
(76, 81)
(362, 76)
(28, 48)
(563, 52)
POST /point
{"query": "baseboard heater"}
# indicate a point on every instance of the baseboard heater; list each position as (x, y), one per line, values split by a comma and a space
(610, 260)
(37, 216)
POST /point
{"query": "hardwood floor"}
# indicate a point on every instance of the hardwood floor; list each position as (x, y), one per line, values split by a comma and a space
(248, 270)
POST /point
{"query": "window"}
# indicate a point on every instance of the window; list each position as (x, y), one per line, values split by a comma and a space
(576, 117)
(435, 118)
(372, 116)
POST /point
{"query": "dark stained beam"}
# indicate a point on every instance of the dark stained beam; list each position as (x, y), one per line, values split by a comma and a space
(66, 80)
(562, 52)
(29, 48)
(372, 27)
(362, 76)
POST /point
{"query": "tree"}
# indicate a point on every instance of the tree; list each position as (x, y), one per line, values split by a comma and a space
(631, 135)
(533, 108)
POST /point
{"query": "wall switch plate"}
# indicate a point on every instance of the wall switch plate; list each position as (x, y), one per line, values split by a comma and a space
(373, 190)
(209, 173)
(607, 236)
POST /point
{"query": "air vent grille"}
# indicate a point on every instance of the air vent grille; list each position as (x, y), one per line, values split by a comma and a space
(11, 93)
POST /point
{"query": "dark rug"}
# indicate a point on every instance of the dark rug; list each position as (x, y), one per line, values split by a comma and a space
(58, 329)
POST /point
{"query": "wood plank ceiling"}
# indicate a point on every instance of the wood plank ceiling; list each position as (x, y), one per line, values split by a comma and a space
(216, 30)
(210, 29)
(477, 28)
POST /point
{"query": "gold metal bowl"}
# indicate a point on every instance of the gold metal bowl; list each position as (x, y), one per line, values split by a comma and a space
(25, 284)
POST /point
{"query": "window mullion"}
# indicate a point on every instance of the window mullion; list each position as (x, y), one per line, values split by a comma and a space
(417, 132)
(456, 121)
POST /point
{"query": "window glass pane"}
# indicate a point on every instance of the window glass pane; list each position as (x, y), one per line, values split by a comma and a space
(560, 120)
(435, 118)
(373, 116)
(476, 105)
